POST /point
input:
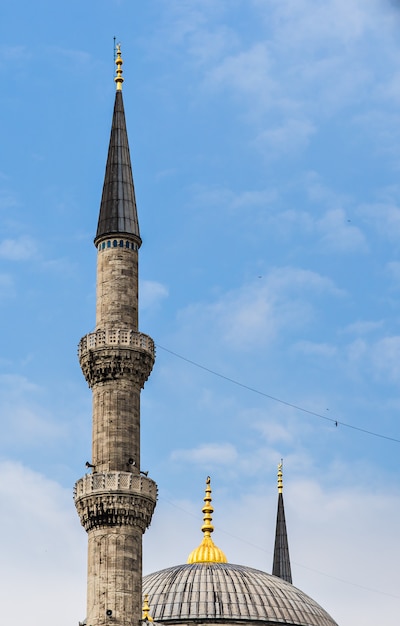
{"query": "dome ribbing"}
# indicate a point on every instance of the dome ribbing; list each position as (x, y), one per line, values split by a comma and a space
(229, 593)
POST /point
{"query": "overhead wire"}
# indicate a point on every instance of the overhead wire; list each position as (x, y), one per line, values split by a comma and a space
(280, 400)
(306, 567)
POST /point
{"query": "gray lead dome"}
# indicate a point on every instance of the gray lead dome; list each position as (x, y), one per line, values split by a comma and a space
(227, 593)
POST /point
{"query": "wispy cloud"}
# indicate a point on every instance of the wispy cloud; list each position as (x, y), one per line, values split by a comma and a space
(31, 422)
(288, 137)
(22, 248)
(207, 455)
(306, 63)
(39, 514)
(320, 350)
(384, 217)
(151, 293)
(338, 234)
(6, 285)
(15, 54)
(258, 312)
(363, 327)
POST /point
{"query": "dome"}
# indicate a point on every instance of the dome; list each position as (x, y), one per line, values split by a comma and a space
(210, 590)
(225, 592)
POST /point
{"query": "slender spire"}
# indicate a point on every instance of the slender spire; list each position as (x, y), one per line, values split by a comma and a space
(207, 551)
(118, 212)
(281, 565)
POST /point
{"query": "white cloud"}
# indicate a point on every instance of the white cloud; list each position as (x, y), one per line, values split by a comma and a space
(338, 552)
(385, 358)
(379, 359)
(258, 312)
(234, 201)
(6, 285)
(305, 63)
(8, 200)
(287, 137)
(363, 327)
(15, 54)
(29, 421)
(384, 217)
(21, 249)
(40, 535)
(338, 234)
(207, 454)
(275, 431)
(151, 293)
(310, 348)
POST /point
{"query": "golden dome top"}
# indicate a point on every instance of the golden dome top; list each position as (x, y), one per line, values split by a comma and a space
(207, 551)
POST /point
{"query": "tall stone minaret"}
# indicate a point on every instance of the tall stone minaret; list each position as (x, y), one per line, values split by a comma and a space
(115, 501)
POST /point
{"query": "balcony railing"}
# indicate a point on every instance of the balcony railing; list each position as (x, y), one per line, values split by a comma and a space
(116, 337)
(115, 481)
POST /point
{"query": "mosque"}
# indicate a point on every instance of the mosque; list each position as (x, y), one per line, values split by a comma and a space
(115, 500)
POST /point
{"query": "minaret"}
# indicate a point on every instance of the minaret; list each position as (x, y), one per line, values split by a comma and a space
(281, 566)
(115, 502)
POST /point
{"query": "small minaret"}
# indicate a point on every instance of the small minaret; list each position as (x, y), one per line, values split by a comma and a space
(281, 566)
(115, 502)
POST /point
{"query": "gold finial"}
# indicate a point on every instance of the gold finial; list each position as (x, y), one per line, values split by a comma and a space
(207, 510)
(207, 551)
(146, 617)
(118, 62)
(280, 477)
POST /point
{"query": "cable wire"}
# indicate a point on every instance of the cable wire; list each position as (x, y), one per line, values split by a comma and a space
(306, 567)
(276, 399)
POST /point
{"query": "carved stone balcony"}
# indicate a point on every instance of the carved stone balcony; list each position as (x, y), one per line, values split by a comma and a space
(115, 499)
(115, 481)
(116, 337)
(115, 353)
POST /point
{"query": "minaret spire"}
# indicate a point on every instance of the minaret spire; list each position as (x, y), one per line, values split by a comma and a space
(118, 212)
(118, 62)
(207, 551)
(281, 565)
(115, 502)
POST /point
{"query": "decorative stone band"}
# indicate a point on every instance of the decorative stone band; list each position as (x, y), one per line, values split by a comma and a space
(115, 499)
(109, 361)
(116, 337)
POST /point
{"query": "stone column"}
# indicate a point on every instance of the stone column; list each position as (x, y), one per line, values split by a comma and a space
(115, 502)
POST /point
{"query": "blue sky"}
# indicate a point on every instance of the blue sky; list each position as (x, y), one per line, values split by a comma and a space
(265, 148)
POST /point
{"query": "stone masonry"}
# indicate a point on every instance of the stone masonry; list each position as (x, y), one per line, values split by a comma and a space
(115, 500)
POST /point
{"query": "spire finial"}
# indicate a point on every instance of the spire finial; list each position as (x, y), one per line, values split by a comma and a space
(207, 510)
(207, 551)
(280, 477)
(146, 617)
(118, 62)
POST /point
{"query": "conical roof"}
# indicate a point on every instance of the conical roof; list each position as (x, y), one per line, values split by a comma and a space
(281, 565)
(118, 212)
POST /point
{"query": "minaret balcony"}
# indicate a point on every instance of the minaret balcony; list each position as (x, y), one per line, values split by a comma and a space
(117, 353)
(115, 481)
(115, 499)
(115, 337)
